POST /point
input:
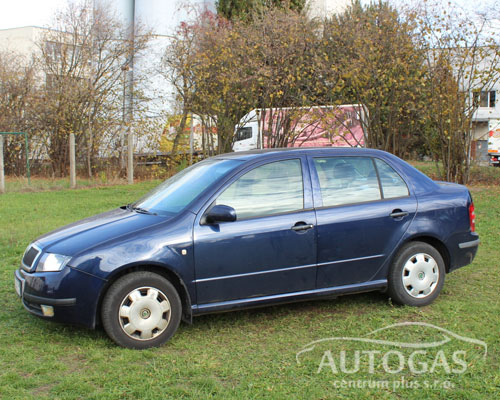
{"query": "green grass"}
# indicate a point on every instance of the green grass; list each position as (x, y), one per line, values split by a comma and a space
(246, 354)
(38, 183)
(479, 174)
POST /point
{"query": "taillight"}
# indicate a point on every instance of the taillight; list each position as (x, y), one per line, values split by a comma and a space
(472, 218)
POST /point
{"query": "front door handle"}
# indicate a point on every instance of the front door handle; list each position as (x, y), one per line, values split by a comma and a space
(302, 226)
(398, 213)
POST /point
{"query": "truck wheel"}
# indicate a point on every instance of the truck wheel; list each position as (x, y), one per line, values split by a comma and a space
(141, 310)
(417, 275)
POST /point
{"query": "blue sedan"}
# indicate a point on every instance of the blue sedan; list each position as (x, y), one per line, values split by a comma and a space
(250, 229)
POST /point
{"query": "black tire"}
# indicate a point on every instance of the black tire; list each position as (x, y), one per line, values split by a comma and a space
(153, 307)
(413, 273)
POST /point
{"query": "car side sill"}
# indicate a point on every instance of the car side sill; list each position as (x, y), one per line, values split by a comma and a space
(287, 297)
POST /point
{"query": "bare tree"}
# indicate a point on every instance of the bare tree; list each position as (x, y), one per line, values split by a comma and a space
(462, 58)
(83, 57)
(17, 93)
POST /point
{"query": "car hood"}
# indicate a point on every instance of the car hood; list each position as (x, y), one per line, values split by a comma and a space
(81, 235)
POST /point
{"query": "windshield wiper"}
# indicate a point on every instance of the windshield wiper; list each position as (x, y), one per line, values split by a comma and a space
(139, 210)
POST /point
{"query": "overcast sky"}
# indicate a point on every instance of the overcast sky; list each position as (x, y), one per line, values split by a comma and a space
(16, 13)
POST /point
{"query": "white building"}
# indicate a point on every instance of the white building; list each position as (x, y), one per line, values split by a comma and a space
(488, 109)
(22, 41)
(325, 8)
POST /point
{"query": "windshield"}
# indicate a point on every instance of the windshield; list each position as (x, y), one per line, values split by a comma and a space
(173, 195)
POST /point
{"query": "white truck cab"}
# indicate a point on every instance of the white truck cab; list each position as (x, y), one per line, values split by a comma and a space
(247, 133)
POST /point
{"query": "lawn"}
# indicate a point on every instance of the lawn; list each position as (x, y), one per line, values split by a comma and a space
(252, 354)
(38, 183)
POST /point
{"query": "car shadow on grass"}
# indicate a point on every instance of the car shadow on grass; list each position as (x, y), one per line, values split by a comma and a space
(341, 306)
(254, 318)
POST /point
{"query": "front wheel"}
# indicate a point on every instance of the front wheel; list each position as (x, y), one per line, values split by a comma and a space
(417, 275)
(141, 310)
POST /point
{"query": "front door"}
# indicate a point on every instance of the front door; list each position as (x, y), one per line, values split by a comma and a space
(271, 247)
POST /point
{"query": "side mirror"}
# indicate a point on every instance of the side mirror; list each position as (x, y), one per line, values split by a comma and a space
(220, 213)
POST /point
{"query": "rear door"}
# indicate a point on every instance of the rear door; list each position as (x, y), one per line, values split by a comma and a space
(363, 207)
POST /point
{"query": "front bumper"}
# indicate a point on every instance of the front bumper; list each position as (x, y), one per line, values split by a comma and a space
(68, 296)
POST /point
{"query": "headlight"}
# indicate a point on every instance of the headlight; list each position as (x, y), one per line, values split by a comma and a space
(52, 262)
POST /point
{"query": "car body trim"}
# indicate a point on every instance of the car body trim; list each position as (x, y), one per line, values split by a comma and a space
(289, 297)
(362, 202)
(466, 245)
(253, 273)
(48, 301)
(350, 260)
(285, 269)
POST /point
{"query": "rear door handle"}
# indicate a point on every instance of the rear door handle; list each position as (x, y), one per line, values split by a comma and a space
(398, 214)
(302, 226)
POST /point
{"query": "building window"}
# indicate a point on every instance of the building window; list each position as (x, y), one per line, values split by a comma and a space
(50, 81)
(485, 98)
(53, 51)
(492, 99)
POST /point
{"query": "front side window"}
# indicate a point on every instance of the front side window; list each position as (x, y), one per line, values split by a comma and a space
(347, 180)
(272, 188)
(392, 184)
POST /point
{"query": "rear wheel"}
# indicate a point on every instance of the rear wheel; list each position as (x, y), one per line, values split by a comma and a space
(417, 275)
(141, 310)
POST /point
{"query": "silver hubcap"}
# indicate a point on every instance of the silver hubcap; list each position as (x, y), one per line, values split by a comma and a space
(144, 313)
(420, 275)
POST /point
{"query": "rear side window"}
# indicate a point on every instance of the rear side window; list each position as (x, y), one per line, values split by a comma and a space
(347, 180)
(392, 184)
(272, 188)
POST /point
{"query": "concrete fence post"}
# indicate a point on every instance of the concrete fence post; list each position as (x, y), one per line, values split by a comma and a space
(72, 161)
(130, 157)
(2, 174)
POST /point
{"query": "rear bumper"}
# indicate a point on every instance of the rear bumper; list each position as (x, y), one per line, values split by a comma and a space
(71, 294)
(468, 245)
(463, 248)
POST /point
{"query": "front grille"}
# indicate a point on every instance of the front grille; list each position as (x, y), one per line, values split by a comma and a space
(30, 256)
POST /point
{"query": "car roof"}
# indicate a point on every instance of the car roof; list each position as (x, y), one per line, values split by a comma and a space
(421, 182)
(270, 153)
